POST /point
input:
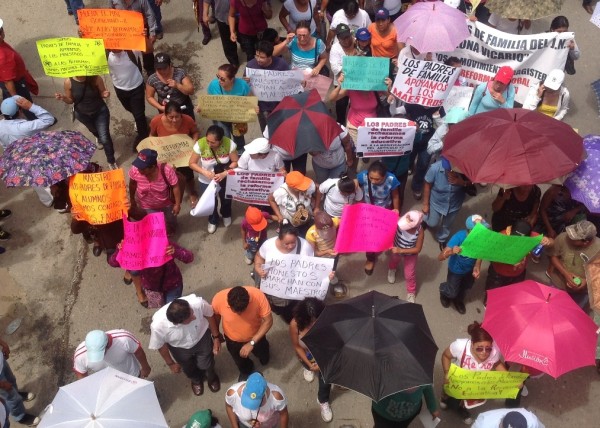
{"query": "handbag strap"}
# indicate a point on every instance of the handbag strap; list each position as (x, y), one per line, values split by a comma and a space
(370, 191)
(162, 172)
(316, 49)
(215, 155)
(298, 245)
(462, 359)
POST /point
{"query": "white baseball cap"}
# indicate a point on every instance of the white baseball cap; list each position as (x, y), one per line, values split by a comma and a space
(1, 23)
(555, 79)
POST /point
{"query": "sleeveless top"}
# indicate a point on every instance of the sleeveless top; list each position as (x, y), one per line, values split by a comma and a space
(86, 97)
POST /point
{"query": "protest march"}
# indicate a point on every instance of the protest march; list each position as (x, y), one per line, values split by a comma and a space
(399, 185)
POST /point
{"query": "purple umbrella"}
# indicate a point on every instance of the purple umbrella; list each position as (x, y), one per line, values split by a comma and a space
(45, 158)
(584, 182)
(432, 27)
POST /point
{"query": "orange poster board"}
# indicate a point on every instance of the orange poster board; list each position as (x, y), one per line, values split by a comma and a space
(120, 29)
(98, 198)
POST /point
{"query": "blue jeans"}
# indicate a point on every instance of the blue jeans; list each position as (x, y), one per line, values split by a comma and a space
(73, 6)
(99, 125)
(457, 285)
(433, 219)
(14, 402)
(173, 294)
(323, 174)
(423, 158)
(157, 15)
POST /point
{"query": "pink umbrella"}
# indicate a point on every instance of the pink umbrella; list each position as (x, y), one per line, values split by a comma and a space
(540, 327)
(432, 27)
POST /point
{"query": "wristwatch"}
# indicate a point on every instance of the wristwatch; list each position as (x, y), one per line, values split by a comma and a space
(252, 342)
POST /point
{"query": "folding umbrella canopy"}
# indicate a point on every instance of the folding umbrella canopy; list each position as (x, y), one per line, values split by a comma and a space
(584, 182)
(106, 399)
(513, 147)
(541, 327)
(432, 27)
(524, 9)
(45, 158)
(301, 123)
(373, 344)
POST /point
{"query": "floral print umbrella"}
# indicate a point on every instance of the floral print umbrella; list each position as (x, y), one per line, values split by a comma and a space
(45, 158)
(584, 182)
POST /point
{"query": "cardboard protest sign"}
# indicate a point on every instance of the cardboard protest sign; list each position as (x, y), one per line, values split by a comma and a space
(365, 73)
(228, 108)
(319, 82)
(295, 277)
(145, 243)
(273, 85)
(72, 56)
(532, 56)
(426, 83)
(483, 243)
(174, 149)
(98, 198)
(459, 96)
(120, 29)
(252, 187)
(385, 137)
(366, 227)
(464, 384)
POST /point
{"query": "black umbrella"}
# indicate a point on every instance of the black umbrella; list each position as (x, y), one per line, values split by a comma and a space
(373, 344)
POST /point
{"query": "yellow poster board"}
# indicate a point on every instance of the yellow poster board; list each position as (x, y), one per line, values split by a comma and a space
(72, 56)
(174, 149)
(228, 108)
(465, 384)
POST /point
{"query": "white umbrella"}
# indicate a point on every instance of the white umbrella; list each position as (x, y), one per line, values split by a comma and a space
(107, 399)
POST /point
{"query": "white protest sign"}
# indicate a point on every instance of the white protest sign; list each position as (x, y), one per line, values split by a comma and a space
(532, 56)
(206, 204)
(595, 19)
(252, 187)
(273, 85)
(459, 96)
(426, 83)
(385, 137)
(295, 277)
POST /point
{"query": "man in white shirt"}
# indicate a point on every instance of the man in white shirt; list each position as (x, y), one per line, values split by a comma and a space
(118, 349)
(508, 418)
(186, 335)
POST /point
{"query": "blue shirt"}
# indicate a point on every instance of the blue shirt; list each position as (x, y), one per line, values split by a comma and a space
(445, 198)
(240, 87)
(458, 264)
(305, 59)
(482, 99)
(382, 193)
(16, 129)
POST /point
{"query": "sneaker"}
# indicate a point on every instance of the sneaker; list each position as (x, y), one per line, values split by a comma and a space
(112, 166)
(309, 375)
(417, 195)
(247, 260)
(4, 235)
(443, 404)
(29, 420)
(226, 221)
(5, 214)
(525, 391)
(27, 396)
(391, 276)
(326, 413)
(410, 297)
(212, 228)
(465, 415)
(98, 145)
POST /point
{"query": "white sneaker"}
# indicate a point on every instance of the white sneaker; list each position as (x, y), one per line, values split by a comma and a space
(226, 221)
(525, 391)
(334, 280)
(212, 228)
(410, 297)
(98, 145)
(112, 166)
(391, 276)
(309, 375)
(326, 413)
(247, 260)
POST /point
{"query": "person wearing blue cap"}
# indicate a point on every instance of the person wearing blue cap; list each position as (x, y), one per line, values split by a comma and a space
(453, 116)
(462, 271)
(256, 403)
(15, 125)
(363, 42)
(443, 195)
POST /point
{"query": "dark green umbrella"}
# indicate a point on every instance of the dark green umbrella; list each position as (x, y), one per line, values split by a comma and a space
(373, 344)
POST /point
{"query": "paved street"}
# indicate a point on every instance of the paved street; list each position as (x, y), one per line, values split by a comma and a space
(51, 280)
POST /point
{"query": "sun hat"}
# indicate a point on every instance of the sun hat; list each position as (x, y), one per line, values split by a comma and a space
(257, 146)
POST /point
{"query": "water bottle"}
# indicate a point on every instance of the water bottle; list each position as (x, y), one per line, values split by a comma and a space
(309, 357)
(537, 251)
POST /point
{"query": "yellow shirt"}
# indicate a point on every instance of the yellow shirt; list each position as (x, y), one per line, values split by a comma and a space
(547, 110)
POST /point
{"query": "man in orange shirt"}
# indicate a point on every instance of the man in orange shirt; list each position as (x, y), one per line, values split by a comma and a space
(246, 316)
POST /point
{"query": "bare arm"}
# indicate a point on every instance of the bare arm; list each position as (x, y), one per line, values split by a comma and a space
(233, 420)
(275, 207)
(284, 418)
(150, 92)
(283, 14)
(140, 355)
(186, 86)
(166, 355)
(231, 22)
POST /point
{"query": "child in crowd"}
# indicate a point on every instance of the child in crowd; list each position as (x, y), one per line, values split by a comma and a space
(254, 232)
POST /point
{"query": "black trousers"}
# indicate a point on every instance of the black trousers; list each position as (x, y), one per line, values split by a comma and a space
(229, 47)
(246, 365)
(198, 362)
(134, 101)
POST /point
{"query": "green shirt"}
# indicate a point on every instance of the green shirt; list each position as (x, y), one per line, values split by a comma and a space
(404, 405)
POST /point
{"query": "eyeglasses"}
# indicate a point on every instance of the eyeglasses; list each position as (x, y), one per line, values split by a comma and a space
(487, 349)
(221, 78)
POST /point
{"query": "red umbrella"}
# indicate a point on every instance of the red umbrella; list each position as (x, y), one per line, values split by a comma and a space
(513, 147)
(301, 123)
(541, 327)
